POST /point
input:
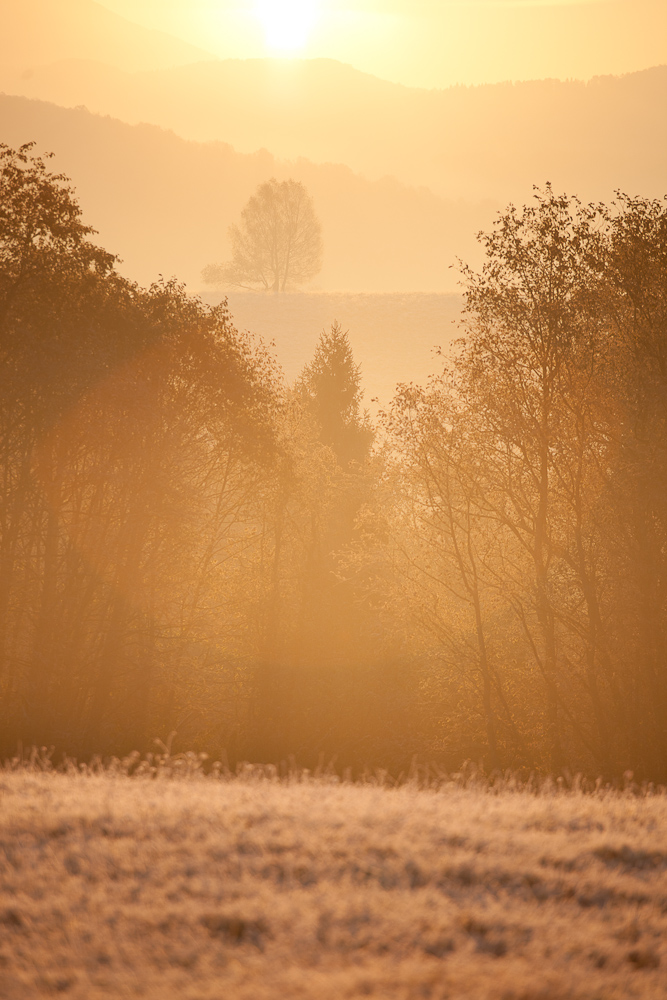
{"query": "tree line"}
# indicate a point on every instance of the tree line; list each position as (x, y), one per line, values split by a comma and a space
(189, 544)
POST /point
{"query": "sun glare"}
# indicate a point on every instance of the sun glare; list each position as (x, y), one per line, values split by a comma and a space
(287, 23)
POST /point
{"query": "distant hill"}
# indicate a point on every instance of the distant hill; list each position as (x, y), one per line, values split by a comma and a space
(492, 141)
(38, 32)
(165, 204)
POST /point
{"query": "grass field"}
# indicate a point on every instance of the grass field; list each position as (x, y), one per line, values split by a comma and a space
(254, 889)
(393, 336)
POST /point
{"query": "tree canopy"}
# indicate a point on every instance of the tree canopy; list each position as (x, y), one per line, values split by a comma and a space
(331, 386)
(189, 544)
(278, 243)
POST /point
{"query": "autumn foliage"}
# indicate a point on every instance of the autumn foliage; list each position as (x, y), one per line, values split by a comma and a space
(189, 544)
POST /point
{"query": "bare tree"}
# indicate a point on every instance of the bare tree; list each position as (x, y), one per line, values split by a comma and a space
(277, 244)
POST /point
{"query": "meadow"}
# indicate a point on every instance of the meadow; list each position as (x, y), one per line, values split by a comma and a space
(254, 887)
(394, 337)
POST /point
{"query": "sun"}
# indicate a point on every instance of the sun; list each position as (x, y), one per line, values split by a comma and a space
(287, 23)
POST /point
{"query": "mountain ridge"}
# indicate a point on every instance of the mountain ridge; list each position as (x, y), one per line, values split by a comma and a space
(39, 32)
(164, 203)
(469, 142)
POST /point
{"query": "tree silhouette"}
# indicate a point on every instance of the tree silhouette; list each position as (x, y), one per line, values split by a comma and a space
(331, 383)
(278, 242)
(40, 226)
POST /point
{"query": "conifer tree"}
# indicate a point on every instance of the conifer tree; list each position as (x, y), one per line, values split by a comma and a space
(331, 384)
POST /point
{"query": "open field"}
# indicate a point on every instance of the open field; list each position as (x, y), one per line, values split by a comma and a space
(394, 336)
(259, 889)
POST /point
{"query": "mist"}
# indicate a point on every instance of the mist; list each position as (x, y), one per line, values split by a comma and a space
(333, 531)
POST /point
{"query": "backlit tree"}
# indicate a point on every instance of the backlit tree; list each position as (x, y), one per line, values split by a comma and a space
(277, 244)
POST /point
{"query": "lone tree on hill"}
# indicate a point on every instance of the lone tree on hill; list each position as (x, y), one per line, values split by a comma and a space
(277, 244)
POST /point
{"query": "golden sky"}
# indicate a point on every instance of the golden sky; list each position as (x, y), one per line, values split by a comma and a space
(431, 43)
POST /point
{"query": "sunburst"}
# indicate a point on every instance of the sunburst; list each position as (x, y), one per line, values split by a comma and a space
(287, 23)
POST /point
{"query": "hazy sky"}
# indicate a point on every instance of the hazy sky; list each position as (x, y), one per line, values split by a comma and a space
(426, 42)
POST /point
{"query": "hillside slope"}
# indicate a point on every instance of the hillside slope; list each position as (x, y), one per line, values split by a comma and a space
(38, 32)
(260, 890)
(492, 141)
(164, 204)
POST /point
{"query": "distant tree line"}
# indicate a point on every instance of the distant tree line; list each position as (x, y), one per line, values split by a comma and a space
(189, 544)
